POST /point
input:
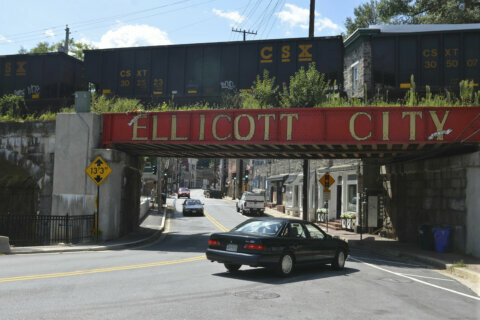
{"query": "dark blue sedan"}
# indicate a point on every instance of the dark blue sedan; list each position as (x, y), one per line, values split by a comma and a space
(276, 243)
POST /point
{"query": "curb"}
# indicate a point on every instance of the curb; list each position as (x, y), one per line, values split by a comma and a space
(464, 273)
(152, 238)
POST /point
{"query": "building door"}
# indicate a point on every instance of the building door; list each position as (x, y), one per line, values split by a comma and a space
(339, 201)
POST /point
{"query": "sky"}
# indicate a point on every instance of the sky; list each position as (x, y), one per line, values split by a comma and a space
(128, 23)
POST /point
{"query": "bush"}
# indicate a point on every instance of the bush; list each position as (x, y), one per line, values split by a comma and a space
(12, 106)
(307, 88)
(264, 91)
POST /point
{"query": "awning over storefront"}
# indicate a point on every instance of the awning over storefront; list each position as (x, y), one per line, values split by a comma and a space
(294, 179)
(278, 178)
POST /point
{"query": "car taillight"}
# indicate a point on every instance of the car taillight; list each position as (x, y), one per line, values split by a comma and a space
(213, 243)
(245, 204)
(253, 246)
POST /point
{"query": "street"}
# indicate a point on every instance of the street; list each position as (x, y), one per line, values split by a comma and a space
(171, 279)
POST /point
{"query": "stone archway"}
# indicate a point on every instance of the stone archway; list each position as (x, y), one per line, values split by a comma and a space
(18, 190)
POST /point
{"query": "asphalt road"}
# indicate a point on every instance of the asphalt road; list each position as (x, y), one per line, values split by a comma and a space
(171, 279)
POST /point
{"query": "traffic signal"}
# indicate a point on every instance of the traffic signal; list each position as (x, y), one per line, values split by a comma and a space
(154, 169)
(165, 173)
(234, 176)
(246, 177)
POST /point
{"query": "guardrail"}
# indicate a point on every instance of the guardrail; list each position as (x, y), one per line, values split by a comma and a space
(24, 230)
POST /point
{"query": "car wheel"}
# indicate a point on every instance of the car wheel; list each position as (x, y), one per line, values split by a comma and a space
(238, 209)
(339, 261)
(232, 267)
(285, 265)
(244, 212)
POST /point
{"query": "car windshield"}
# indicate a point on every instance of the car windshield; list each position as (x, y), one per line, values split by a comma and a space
(259, 226)
(192, 202)
(184, 189)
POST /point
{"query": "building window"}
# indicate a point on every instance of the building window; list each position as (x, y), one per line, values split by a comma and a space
(354, 79)
(352, 197)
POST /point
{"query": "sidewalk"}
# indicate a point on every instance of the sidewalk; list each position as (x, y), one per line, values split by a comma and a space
(149, 230)
(444, 261)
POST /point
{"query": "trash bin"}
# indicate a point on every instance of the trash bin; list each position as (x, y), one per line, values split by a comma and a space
(442, 238)
(425, 237)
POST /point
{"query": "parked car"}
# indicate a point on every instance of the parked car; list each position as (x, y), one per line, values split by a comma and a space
(277, 243)
(251, 203)
(192, 206)
(183, 192)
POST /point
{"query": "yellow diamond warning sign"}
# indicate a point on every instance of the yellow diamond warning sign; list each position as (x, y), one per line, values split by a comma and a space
(98, 170)
(327, 181)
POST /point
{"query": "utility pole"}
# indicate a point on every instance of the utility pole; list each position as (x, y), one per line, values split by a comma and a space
(67, 38)
(311, 27)
(244, 33)
(306, 164)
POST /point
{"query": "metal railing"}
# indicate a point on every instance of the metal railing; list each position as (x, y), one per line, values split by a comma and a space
(24, 230)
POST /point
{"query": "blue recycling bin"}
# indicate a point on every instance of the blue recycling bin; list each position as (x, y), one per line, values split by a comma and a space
(442, 238)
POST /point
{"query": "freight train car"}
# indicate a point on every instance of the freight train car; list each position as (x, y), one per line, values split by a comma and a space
(46, 81)
(203, 72)
(385, 57)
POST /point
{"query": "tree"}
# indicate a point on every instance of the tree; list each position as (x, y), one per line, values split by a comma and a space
(365, 15)
(75, 48)
(414, 12)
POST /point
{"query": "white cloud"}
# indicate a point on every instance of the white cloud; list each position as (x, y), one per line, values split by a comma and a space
(3, 39)
(294, 16)
(50, 33)
(133, 36)
(326, 23)
(234, 16)
(299, 17)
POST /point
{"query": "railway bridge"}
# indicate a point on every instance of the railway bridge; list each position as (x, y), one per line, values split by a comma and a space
(429, 156)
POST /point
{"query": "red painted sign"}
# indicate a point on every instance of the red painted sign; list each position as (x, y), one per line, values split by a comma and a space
(358, 125)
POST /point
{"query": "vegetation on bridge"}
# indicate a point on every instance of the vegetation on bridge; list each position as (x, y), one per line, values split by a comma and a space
(307, 88)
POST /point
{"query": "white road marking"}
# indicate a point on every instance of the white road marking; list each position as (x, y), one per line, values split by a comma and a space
(414, 275)
(394, 262)
(417, 280)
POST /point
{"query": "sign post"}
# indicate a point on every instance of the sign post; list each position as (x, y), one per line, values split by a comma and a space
(327, 180)
(98, 171)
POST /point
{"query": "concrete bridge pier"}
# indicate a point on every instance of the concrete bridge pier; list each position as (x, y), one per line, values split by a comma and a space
(78, 142)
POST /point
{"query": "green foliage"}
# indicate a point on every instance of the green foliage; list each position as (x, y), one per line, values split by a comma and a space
(307, 88)
(264, 91)
(365, 15)
(102, 104)
(411, 98)
(76, 48)
(414, 12)
(11, 106)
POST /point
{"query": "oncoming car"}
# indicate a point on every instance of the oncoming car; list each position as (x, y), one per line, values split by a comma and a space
(276, 243)
(183, 192)
(192, 206)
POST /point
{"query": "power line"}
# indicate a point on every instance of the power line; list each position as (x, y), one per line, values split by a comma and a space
(84, 25)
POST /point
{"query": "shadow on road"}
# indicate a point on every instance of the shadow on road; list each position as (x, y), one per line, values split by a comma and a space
(268, 276)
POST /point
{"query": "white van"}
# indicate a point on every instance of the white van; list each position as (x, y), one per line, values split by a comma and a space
(251, 203)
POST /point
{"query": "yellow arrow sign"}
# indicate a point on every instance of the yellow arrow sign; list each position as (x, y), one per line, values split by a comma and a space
(98, 170)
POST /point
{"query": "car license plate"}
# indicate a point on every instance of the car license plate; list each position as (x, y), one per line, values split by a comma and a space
(231, 247)
(194, 211)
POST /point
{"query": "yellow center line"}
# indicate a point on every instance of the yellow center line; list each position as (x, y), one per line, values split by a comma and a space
(215, 222)
(83, 272)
